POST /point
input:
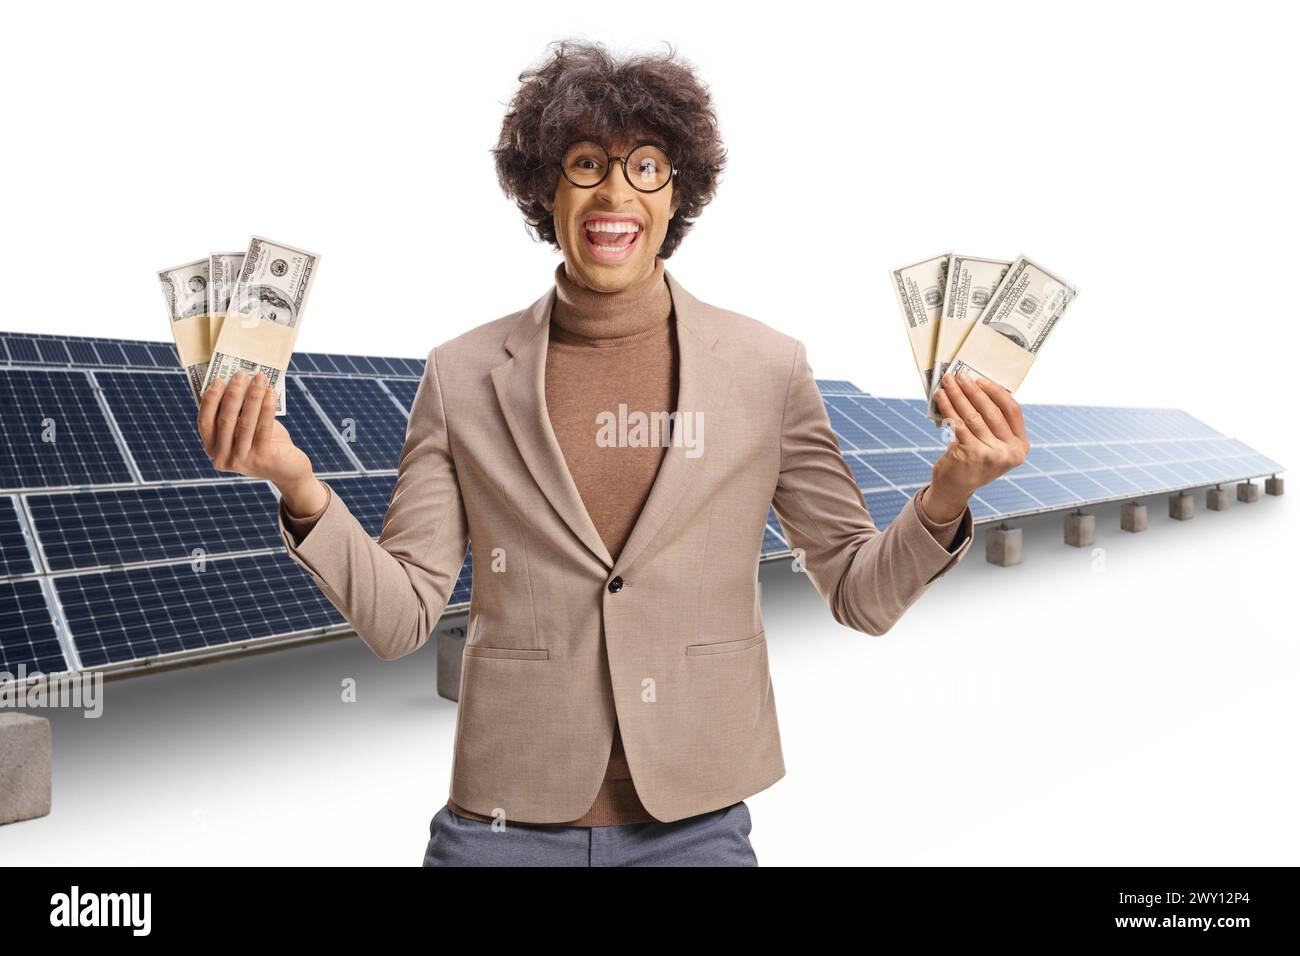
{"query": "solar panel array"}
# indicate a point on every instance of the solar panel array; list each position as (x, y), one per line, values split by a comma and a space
(1079, 455)
(120, 545)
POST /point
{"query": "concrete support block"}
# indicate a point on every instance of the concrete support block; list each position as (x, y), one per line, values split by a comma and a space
(1002, 545)
(1247, 491)
(24, 767)
(1273, 486)
(1181, 506)
(1133, 516)
(1216, 499)
(1080, 529)
(451, 651)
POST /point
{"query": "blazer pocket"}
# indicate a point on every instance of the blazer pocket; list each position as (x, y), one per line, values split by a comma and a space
(725, 647)
(507, 653)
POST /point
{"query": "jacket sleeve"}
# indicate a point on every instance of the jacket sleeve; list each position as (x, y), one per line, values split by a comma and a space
(392, 591)
(867, 577)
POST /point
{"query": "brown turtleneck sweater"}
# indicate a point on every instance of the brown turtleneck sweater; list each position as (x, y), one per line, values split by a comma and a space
(608, 348)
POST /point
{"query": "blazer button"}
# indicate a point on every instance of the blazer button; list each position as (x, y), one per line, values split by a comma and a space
(616, 585)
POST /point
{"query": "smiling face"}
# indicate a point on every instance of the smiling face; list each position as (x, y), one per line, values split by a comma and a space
(611, 233)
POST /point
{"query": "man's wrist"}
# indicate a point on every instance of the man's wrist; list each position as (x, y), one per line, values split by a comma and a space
(940, 507)
(304, 498)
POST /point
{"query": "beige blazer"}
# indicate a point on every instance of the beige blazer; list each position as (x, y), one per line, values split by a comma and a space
(561, 637)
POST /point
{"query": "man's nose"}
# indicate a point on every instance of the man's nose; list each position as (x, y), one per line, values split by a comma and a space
(615, 190)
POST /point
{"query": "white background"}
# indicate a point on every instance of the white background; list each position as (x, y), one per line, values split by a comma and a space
(1134, 708)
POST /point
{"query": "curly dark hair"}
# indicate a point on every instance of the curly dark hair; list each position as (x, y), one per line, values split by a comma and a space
(580, 91)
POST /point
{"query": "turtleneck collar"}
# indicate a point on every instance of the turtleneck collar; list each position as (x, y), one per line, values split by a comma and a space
(585, 316)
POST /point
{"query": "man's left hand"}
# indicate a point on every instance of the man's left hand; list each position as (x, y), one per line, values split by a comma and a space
(988, 441)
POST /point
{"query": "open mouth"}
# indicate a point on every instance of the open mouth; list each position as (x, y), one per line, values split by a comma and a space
(611, 241)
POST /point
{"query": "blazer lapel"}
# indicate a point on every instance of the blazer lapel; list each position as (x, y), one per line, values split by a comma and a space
(520, 385)
(703, 382)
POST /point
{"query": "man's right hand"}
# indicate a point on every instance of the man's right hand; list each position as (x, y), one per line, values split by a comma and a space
(240, 434)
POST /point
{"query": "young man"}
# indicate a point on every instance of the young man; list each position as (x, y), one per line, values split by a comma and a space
(612, 451)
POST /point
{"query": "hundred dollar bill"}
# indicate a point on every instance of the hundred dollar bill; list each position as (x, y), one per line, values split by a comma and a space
(971, 282)
(1025, 307)
(919, 289)
(264, 314)
(223, 271)
(185, 291)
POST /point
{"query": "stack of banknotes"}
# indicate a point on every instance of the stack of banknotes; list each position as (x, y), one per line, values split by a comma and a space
(239, 310)
(982, 317)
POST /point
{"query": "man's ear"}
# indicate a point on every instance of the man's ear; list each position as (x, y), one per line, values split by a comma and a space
(547, 204)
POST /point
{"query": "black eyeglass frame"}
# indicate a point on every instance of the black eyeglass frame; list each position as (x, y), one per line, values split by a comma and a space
(672, 168)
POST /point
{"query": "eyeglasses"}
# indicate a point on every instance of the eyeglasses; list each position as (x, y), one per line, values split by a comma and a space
(646, 168)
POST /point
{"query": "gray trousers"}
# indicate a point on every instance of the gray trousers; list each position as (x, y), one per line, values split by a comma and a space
(717, 838)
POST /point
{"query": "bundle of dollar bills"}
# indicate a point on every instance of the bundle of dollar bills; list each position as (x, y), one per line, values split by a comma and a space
(982, 317)
(261, 291)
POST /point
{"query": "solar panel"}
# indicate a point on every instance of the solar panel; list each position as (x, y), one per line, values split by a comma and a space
(53, 432)
(141, 613)
(15, 556)
(116, 514)
(361, 409)
(159, 422)
(403, 390)
(323, 445)
(97, 529)
(27, 636)
(1079, 455)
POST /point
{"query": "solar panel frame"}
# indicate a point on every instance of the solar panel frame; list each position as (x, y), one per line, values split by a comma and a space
(56, 431)
(102, 529)
(380, 424)
(29, 634)
(163, 612)
(17, 555)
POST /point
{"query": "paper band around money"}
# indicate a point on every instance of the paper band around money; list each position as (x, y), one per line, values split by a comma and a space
(995, 356)
(193, 345)
(254, 340)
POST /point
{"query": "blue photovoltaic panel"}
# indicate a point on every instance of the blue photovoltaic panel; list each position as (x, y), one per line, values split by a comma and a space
(377, 424)
(144, 612)
(93, 352)
(27, 637)
(53, 352)
(404, 390)
(310, 433)
(15, 557)
(95, 529)
(461, 592)
(1079, 454)
(111, 353)
(53, 432)
(138, 354)
(159, 421)
(22, 349)
(84, 353)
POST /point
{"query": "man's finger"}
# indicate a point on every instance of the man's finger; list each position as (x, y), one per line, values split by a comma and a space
(228, 412)
(265, 423)
(208, 413)
(961, 433)
(246, 425)
(965, 410)
(1010, 407)
(987, 408)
